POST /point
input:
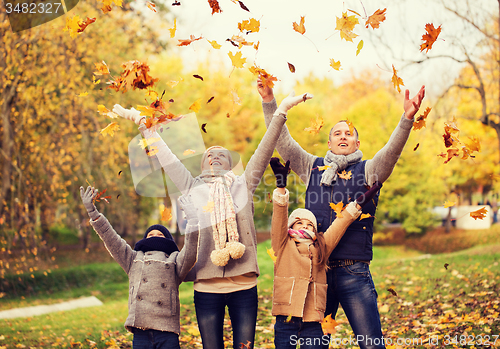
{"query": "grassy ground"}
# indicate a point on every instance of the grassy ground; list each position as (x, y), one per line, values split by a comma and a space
(425, 301)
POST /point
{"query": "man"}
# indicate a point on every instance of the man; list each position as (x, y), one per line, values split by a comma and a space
(349, 279)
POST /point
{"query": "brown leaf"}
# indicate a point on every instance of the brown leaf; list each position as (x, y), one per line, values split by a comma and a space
(429, 37)
(210, 99)
(291, 67)
(203, 127)
(214, 4)
(198, 77)
(416, 147)
(391, 290)
(375, 19)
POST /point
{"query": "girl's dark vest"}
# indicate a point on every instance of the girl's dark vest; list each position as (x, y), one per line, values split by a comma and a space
(356, 243)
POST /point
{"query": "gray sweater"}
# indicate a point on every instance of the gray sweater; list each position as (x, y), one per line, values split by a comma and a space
(154, 278)
(242, 190)
(377, 169)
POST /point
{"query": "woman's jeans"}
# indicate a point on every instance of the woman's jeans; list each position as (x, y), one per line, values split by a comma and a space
(210, 311)
(289, 334)
(153, 339)
(352, 286)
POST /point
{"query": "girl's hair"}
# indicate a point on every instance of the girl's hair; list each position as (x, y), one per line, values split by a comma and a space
(320, 240)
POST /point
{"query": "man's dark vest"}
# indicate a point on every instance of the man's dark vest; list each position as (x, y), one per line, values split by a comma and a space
(357, 241)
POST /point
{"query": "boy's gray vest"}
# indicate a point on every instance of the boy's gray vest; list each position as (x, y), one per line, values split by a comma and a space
(357, 241)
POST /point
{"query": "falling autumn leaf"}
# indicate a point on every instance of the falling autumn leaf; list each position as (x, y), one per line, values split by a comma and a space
(345, 175)
(391, 290)
(152, 151)
(151, 6)
(73, 26)
(345, 25)
(102, 69)
(135, 75)
(479, 214)
(196, 106)
(100, 197)
(146, 142)
(396, 80)
(188, 152)
(251, 26)
(429, 37)
(214, 5)
(110, 129)
(291, 67)
(203, 127)
(335, 64)
(446, 265)
(316, 125)
(101, 109)
(187, 42)
(420, 120)
(365, 215)
(375, 19)
(236, 60)
(416, 147)
(173, 83)
(449, 204)
(351, 126)
(166, 215)
(338, 207)
(173, 29)
(300, 28)
(214, 44)
(328, 325)
(198, 77)
(120, 172)
(106, 5)
(266, 78)
(84, 24)
(359, 47)
(271, 254)
(209, 207)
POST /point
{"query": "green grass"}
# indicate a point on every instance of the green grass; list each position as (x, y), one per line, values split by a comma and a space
(419, 296)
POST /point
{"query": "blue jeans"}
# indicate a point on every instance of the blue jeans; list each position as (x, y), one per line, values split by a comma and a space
(352, 286)
(211, 308)
(153, 339)
(287, 334)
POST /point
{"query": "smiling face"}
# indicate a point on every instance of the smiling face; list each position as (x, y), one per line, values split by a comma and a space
(217, 159)
(303, 224)
(155, 233)
(341, 141)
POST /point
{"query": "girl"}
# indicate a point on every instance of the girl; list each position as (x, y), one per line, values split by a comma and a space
(299, 294)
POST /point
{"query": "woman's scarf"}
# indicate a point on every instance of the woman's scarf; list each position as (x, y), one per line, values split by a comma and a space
(156, 243)
(302, 235)
(223, 216)
(338, 163)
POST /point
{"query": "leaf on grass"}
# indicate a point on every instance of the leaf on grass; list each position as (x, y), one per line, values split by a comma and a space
(187, 42)
(173, 29)
(110, 129)
(429, 37)
(196, 106)
(359, 47)
(209, 207)
(251, 26)
(328, 325)
(346, 24)
(236, 60)
(420, 120)
(151, 6)
(214, 44)
(316, 125)
(345, 175)
(335, 64)
(188, 152)
(479, 214)
(446, 265)
(266, 78)
(271, 254)
(300, 28)
(396, 80)
(291, 67)
(166, 214)
(135, 75)
(101, 109)
(391, 290)
(375, 19)
(338, 207)
(214, 5)
(449, 204)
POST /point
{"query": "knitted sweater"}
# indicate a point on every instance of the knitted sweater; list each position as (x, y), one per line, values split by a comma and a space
(242, 190)
(154, 278)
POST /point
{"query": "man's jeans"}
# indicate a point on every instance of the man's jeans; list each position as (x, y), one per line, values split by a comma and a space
(210, 311)
(352, 286)
(289, 334)
(153, 339)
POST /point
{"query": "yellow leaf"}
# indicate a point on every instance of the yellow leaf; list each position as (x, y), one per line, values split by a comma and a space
(146, 110)
(166, 215)
(151, 94)
(316, 125)
(102, 69)
(193, 331)
(101, 109)
(188, 152)
(289, 318)
(345, 25)
(83, 94)
(449, 204)
(143, 143)
(196, 106)
(323, 168)
(351, 126)
(110, 129)
(72, 26)
(396, 80)
(236, 60)
(209, 207)
(174, 83)
(360, 46)
(345, 175)
(251, 25)
(420, 120)
(335, 64)
(271, 254)
(152, 151)
(300, 28)
(338, 207)
(481, 213)
(328, 325)
(365, 215)
(173, 29)
(214, 44)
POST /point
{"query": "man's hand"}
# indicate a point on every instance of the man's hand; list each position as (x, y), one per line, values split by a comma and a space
(131, 114)
(291, 101)
(411, 106)
(265, 91)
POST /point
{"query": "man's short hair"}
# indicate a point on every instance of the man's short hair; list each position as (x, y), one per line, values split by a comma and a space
(355, 130)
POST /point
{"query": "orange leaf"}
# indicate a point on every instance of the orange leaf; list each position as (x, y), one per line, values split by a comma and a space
(100, 197)
(481, 213)
(351, 126)
(267, 79)
(166, 214)
(252, 25)
(345, 25)
(345, 175)
(420, 120)
(338, 207)
(429, 37)
(214, 5)
(188, 41)
(135, 75)
(328, 325)
(196, 106)
(85, 24)
(151, 6)
(110, 129)
(102, 68)
(396, 80)
(236, 60)
(299, 28)
(375, 19)
(316, 125)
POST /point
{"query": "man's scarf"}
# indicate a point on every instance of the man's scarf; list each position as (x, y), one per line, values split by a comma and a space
(338, 163)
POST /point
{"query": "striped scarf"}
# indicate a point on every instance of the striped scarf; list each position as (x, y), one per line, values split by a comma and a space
(302, 235)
